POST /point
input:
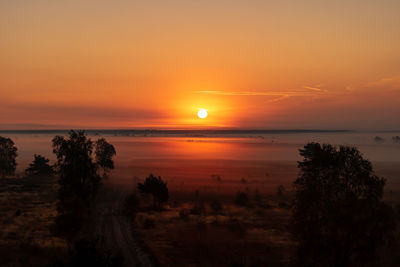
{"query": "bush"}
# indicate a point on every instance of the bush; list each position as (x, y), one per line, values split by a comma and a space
(198, 208)
(258, 198)
(39, 166)
(242, 199)
(237, 227)
(216, 206)
(156, 187)
(183, 214)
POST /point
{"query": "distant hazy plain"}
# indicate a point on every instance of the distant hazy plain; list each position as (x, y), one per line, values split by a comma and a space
(188, 160)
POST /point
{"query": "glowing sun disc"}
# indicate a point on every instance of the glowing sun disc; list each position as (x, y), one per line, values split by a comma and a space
(202, 113)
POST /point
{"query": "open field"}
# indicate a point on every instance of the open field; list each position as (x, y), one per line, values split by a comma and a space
(190, 230)
(27, 210)
(186, 235)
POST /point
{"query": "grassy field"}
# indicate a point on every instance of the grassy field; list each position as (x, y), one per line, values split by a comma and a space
(203, 233)
(27, 210)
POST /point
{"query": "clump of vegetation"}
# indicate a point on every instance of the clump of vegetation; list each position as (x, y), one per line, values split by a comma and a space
(378, 139)
(39, 167)
(396, 139)
(257, 197)
(216, 206)
(198, 207)
(242, 199)
(104, 154)
(183, 214)
(339, 218)
(157, 188)
(131, 205)
(243, 181)
(237, 227)
(8, 154)
(216, 177)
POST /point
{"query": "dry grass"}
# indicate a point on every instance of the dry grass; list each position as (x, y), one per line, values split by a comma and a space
(236, 235)
(27, 209)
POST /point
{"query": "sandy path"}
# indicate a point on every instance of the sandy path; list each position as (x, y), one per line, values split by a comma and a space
(115, 229)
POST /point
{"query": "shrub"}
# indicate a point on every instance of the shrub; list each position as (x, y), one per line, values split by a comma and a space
(39, 166)
(237, 227)
(155, 187)
(216, 206)
(183, 214)
(242, 199)
(198, 208)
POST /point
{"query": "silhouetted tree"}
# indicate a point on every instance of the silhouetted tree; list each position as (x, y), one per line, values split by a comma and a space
(198, 206)
(242, 199)
(104, 153)
(75, 165)
(8, 153)
(39, 166)
(338, 215)
(155, 187)
(216, 206)
(78, 178)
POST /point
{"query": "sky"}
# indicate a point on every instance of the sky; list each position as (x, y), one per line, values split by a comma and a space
(255, 64)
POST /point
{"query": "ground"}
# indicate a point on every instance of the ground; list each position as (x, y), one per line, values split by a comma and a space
(190, 230)
(253, 235)
(27, 210)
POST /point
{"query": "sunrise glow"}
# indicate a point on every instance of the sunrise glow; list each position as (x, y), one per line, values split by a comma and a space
(92, 71)
(202, 113)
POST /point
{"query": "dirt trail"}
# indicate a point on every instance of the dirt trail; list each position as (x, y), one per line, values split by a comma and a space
(115, 229)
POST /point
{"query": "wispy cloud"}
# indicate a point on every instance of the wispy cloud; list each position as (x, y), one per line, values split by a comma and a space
(314, 88)
(261, 93)
(387, 82)
(281, 95)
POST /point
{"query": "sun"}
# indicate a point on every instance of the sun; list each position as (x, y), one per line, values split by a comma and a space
(202, 113)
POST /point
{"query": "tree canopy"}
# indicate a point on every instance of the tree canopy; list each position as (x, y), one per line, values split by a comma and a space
(156, 187)
(338, 215)
(8, 154)
(75, 165)
(78, 178)
(39, 166)
(104, 153)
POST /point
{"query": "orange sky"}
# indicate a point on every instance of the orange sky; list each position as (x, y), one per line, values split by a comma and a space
(251, 64)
